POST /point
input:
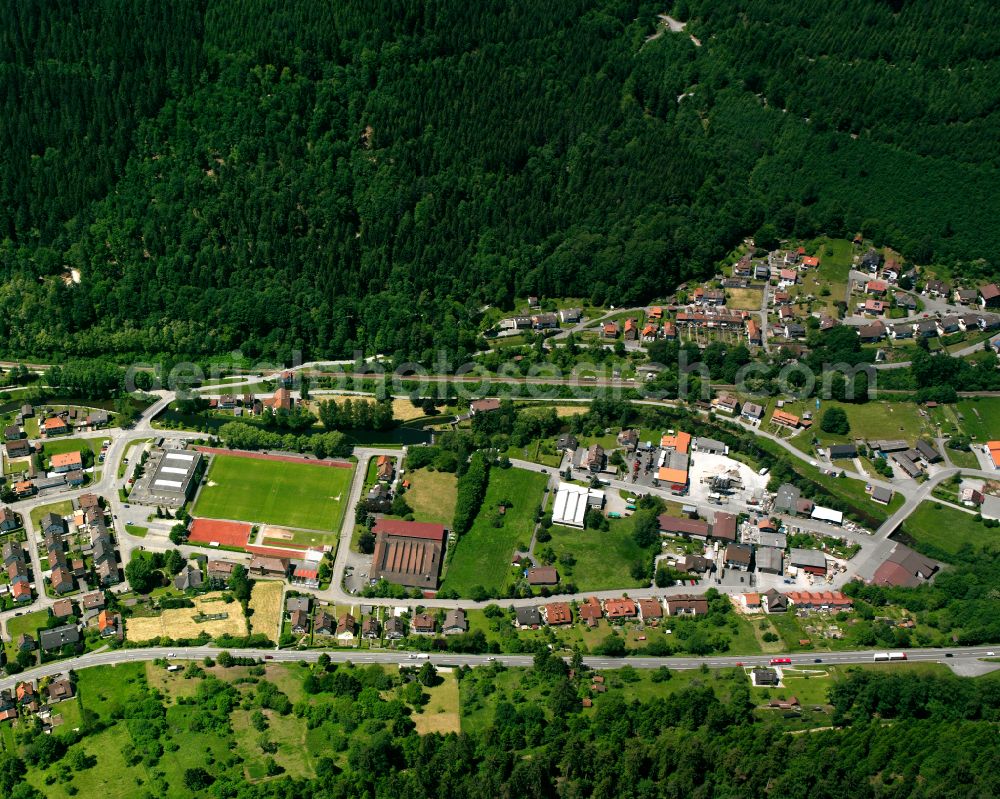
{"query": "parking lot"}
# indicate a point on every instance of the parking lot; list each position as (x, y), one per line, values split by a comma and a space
(707, 473)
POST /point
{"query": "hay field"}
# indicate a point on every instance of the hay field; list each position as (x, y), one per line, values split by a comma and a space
(265, 608)
(180, 623)
(441, 713)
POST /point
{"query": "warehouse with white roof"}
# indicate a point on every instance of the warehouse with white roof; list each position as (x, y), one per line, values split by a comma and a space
(171, 478)
(571, 504)
(827, 515)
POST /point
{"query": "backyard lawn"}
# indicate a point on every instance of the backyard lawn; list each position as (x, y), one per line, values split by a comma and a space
(304, 495)
(944, 531)
(541, 451)
(55, 446)
(63, 508)
(482, 556)
(15, 465)
(28, 623)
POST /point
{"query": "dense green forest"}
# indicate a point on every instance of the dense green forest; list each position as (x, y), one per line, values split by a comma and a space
(369, 173)
(894, 735)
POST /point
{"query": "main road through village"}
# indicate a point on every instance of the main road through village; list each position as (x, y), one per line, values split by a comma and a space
(968, 662)
(874, 551)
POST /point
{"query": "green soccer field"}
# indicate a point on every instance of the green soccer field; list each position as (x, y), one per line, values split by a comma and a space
(273, 492)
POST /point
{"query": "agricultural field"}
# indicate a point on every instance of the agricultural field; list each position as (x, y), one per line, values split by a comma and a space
(181, 623)
(402, 409)
(943, 531)
(304, 495)
(265, 608)
(432, 496)
(482, 557)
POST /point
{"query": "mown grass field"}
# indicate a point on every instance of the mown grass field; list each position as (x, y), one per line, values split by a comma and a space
(603, 560)
(432, 496)
(946, 530)
(869, 420)
(981, 418)
(54, 446)
(744, 299)
(482, 556)
(273, 492)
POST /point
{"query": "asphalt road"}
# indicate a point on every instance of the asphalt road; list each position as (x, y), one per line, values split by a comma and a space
(963, 660)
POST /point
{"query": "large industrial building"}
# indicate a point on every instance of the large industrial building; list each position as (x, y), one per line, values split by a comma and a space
(408, 553)
(171, 478)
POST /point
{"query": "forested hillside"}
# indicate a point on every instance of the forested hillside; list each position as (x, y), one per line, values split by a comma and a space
(353, 733)
(369, 173)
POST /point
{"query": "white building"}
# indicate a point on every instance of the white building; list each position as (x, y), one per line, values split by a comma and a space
(572, 502)
(827, 515)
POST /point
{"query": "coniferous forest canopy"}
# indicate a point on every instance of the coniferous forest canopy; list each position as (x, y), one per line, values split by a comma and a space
(327, 176)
